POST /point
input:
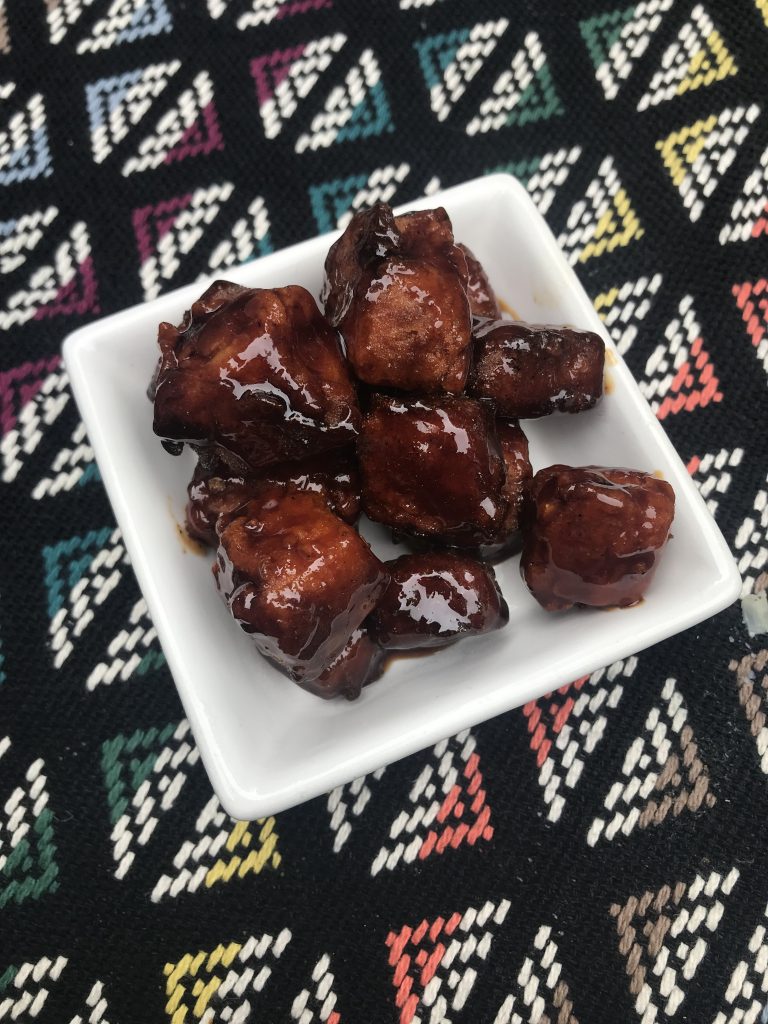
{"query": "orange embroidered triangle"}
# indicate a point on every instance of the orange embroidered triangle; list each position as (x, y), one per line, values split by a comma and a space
(464, 815)
(416, 956)
(548, 715)
(694, 384)
(752, 299)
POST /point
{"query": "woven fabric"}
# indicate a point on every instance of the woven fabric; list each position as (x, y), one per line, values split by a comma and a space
(598, 856)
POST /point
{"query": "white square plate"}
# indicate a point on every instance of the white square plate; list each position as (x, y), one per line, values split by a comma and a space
(267, 744)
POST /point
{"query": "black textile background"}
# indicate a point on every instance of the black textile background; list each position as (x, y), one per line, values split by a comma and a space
(566, 935)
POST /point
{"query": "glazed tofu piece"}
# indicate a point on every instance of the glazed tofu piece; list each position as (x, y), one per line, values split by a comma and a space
(216, 489)
(360, 662)
(436, 598)
(532, 370)
(256, 376)
(396, 288)
(297, 578)
(514, 449)
(433, 466)
(483, 303)
(593, 535)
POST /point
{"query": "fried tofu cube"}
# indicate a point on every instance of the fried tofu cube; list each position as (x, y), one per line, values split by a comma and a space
(593, 535)
(396, 287)
(436, 598)
(255, 375)
(297, 578)
(216, 489)
(531, 370)
(432, 466)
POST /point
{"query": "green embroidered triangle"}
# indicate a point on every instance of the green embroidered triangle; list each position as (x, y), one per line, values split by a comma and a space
(437, 52)
(370, 117)
(523, 170)
(539, 101)
(127, 762)
(602, 31)
(67, 562)
(331, 199)
(30, 869)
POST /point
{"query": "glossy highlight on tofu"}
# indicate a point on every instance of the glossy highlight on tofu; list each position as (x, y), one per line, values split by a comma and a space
(255, 376)
(432, 466)
(296, 578)
(593, 535)
(533, 370)
(217, 489)
(436, 598)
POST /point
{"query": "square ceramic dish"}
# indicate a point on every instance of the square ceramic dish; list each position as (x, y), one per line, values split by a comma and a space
(267, 744)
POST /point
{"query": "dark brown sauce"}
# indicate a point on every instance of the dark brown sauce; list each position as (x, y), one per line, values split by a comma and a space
(189, 545)
(413, 654)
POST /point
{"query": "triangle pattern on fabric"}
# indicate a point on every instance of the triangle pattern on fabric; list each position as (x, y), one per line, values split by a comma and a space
(749, 214)
(347, 802)
(189, 128)
(117, 104)
(449, 61)
(28, 867)
(543, 176)
(72, 467)
(750, 545)
(752, 682)
(19, 386)
(143, 775)
(617, 39)
(434, 964)
(566, 725)
(24, 989)
(317, 1002)
(335, 202)
(125, 22)
(357, 109)
(80, 573)
(217, 985)
(624, 308)
(679, 375)
(248, 238)
(522, 94)
(168, 231)
(697, 58)
(744, 998)
(712, 473)
(20, 237)
(24, 147)
(44, 399)
(662, 773)
(663, 936)
(541, 993)
(698, 155)
(447, 807)
(752, 299)
(285, 78)
(62, 14)
(134, 650)
(604, 220)
(263, 12)
(222, 848)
